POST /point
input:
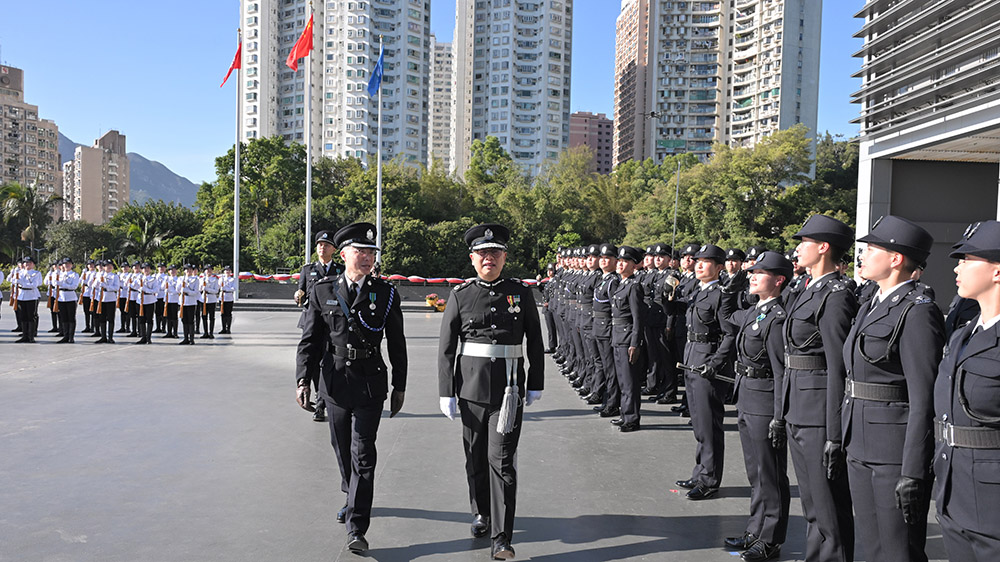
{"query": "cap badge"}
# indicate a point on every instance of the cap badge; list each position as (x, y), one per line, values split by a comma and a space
(621, 252)
(370, 234)
(874, 226)
(703, 248)
(488, 234)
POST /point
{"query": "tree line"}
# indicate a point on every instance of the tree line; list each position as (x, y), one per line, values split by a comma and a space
(739, 197)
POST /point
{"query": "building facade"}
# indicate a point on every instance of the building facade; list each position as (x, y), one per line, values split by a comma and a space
(346, 39)
(930, 120)
(96, 181)
(729, 71)
(512, 78)
(442, 86)
(596, 132)
(29, 146)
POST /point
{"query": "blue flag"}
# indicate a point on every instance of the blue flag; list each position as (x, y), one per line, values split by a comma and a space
(376, 79)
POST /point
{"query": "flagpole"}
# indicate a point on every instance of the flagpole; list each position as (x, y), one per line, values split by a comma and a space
(309, 143)
(378, 172)
(236, 175)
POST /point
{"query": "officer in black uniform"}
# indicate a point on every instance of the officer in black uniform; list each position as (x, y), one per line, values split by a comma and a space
(708, 351)
(891, 355)
(759, 370)
(486, 327)
(967, 409)
(348, 317)
(660, 361)
(813, 388)
(547, 288)
(628, 315)
(609, 405)
(311, 272)
(677, 313)
(594, 377)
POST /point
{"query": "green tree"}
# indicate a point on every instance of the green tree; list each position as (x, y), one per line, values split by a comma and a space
(78, 239)
(29, 207)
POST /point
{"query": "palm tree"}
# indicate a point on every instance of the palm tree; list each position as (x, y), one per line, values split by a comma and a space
(143, 239)
(27, 206)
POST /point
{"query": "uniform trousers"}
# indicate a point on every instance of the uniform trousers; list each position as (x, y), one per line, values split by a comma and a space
(133, 317)
(27, 311)
(767, 471)
(826, 504)
(88, 316)
(706, 400)
(550, 328)
(352, 434)
(67, 318)
(491, 464)
(659, 359)
(611, 392)
(104, 321)
(965, 545)
(208, 316)
(629, 380)
(579, 356)
(672, 382)
(171, 317)
(54, 314)
(595, 380)
(125, 320)
(159, 314)
(189, 319)
(227, 315)
(146, 313)
(884, 534)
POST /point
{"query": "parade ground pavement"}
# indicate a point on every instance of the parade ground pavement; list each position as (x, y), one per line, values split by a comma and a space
(199, 453)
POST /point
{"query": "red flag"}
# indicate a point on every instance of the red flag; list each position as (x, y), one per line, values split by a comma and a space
(302, 46)
(236, 63)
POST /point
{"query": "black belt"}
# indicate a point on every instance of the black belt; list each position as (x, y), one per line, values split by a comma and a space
(602, 314)
(695, 337)
(351, 353)
(967, 437)
(752, 372)
(621, 321)
(874, 391)
(805, 362)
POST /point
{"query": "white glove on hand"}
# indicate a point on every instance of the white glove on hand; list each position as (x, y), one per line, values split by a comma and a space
(531, 396)
(449, 407)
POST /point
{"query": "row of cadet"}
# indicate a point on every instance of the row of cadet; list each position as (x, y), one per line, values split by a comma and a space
(881, 401)
(147, 302)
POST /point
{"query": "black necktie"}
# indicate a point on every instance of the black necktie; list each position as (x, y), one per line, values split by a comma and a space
(352, 291)
(965, 343)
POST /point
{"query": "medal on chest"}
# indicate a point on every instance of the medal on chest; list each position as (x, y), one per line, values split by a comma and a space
(515, 303)
(756, 322)
(371, 300)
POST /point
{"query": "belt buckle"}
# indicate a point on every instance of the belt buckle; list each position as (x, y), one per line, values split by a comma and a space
(949, 434)
(352, 353)
(849, 388)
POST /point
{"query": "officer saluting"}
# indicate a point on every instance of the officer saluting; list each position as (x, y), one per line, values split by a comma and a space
(347, 318)
(967, 411)
(481, 361)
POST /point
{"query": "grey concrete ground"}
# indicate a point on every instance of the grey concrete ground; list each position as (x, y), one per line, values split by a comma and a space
(168, 453)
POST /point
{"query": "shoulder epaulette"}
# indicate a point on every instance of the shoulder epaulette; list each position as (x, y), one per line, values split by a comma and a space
(922, 299)
(462, 286)
(838, 286)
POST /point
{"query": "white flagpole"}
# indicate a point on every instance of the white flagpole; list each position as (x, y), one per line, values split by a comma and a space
(236, 174)
(378, 172)
(309, 146)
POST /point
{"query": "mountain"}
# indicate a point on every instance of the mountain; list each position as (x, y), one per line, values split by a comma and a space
(148, 179)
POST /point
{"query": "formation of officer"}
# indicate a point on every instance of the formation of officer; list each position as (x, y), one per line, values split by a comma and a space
(490, 326)
(348, 317)
(148, 301)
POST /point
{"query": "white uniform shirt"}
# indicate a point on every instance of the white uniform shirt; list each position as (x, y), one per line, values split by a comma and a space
(228, 286)
(170, 289)
(28, 282)
(189, 286)
(67, 283)
(144, 287)
(208, 289)
(161, 293)
(108, 284)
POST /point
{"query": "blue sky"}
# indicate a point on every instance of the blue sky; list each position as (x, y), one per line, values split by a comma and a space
(152, 69)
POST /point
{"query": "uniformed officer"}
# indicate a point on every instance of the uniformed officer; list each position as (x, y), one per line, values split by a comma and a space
(106, 291)
(967, 411)
(171, 294)
(610, 404)
(677, 312)
(661, 381)
(85, 297)
(759, 370)
(348, 317)
(707, 356)
(311, 272)
(481, 362)
(546, 289)
(208, 296)
(593, 371)
(51, 282)
(161, 298)
(187, 288)
(124, 277)
(813, 388)
(891, 354)
(66, 284)
(135, 280)
(735, 259)
(227, 296)
(26, 296)
(628, 318)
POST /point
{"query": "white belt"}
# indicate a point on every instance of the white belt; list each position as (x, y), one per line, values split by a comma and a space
(473, 349)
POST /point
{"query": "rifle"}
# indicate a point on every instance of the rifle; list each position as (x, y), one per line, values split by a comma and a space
(85, 283)
(183, 291)
(55, 301)
(14, 289)
(204, 297)
(100, 303)
(142, 296)
(129, 299)
(700, 371)
(48, 302)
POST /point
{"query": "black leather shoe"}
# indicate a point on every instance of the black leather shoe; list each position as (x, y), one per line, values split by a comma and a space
(742, 542)
(598, 408)
(480, 526)
(22, 339)
(342, 514)
(629, 427)
(678, 409)
(701, 492)
(687, 484)
(760, 551)
(583, 391)
(618, 421)
(63, 340)
(54, 331)
(549, 351)
(647, 391)
(610, 412)
(320, 416)
(666, 400)
(205, 337)
(595, 398)
(357, 543)
(686, 413)
(501, 548)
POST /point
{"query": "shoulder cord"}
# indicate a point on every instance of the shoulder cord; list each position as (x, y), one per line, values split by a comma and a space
(812, 338)
(893, 337)
(741, 342)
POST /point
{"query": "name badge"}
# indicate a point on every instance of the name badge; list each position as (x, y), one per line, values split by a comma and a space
(312, 273)
(332, 303)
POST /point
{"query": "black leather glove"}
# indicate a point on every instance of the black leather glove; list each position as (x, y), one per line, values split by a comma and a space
(834, 459)
(776, 433)
(302, 395)
(707, 371)
(910, 494)
(737, 283)
(396, 402)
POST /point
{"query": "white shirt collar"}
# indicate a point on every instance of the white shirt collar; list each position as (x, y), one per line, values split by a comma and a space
(821, 277)
(764, 302)
(703, 285)
(881, 296)
(988, 323)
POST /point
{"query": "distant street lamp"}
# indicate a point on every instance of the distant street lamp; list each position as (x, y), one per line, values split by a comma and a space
(677, 191)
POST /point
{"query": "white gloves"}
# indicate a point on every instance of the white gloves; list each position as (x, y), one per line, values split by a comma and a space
(531, 396)
(449, 406)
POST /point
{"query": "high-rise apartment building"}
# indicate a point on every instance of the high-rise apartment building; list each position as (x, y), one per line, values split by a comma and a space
(29, 146)
(442, 86)
(512, 78)
(346, 40)
(730, 71)
(596, 132)
(97, 180)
